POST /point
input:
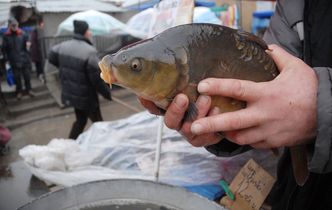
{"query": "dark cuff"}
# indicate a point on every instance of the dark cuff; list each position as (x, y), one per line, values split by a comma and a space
(226, 148)
(320, 156)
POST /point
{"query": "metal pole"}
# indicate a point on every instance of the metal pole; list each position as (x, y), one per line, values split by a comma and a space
(116, 99)
(158, 148)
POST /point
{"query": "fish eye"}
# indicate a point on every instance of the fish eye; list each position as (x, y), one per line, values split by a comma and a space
(136, 65)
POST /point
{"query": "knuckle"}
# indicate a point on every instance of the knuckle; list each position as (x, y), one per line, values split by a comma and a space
(240, 139)
(234, 123)
(173, 119)
(195, 143)
(185, 132)
(238, 89)
(273, 46)
(171, 123)
(210, 126)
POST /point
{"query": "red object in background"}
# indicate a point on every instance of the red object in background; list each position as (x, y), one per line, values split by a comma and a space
(5, 135)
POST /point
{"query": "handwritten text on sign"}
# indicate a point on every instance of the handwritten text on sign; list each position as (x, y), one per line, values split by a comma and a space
(250, 187)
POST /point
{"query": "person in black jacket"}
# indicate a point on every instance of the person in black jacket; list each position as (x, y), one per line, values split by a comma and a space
(293, 109)
(15, 52)
(36, 49)
(80, 76)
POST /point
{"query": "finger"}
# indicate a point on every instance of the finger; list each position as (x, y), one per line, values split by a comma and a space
(229, 121)
(247, 136)
(261, 145)
(204, 140)
(239, 89)
(150, 106)
(176, 111)
(280, 56)
(214, 111)
(203, 105)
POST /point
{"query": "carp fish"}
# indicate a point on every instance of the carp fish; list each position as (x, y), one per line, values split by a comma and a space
(176, 60)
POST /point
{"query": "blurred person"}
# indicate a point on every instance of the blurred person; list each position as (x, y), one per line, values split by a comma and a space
(15, 52)
(293, 109)
(80, 76)
(36, 51)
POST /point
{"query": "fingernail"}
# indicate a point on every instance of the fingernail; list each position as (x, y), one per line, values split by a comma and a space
(180, 101)
(203, 99)
(215, 111)
(203, 87)
(196, 128)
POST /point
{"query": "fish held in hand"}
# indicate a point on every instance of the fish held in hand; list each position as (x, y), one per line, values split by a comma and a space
(176, 60)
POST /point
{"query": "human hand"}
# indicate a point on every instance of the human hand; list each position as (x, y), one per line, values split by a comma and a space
(175, 113)
(281, 112)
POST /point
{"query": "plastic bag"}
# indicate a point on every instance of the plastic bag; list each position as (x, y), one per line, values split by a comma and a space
(126, 149)
(9, 75)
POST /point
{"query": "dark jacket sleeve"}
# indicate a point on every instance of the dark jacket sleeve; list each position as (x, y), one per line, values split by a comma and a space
(283, 27)
(94, 77)
(320, 160)
(225, 148)
(53, 55)
(4, 48)
(25, 41)
(283, 31)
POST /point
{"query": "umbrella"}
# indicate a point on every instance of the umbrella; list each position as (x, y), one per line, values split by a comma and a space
(99, 23)
(142, 21)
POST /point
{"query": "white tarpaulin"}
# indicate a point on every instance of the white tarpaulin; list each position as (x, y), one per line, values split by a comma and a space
(126, 149)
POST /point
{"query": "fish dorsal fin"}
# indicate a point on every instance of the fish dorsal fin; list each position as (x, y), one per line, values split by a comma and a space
(252, 38)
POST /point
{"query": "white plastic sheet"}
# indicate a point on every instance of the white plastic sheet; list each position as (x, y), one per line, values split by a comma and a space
(126, 149)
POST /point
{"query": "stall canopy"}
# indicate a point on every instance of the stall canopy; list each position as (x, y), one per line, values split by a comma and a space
(54, 6)
(144, 4)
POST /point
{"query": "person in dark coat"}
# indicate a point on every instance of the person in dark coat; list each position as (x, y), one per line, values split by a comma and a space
(80, 77)
(36, 50)
(15, 52)
(293, 109)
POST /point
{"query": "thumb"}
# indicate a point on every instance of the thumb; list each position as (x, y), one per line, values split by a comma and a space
(280, 56)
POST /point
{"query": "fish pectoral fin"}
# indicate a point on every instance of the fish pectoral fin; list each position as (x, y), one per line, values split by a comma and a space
(251, 37)
(191, 113)
(181, 55)
(191, 92)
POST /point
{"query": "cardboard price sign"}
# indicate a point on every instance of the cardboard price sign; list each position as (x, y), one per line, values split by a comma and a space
(250, 188)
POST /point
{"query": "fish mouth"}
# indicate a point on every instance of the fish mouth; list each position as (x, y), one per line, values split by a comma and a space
(106, 73)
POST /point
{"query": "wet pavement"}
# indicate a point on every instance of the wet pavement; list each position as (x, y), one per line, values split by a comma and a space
(17, 185)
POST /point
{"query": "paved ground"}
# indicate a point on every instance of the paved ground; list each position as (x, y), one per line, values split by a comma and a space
(17, 185)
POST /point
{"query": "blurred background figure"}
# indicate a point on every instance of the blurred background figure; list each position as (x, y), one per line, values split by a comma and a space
(36, 51)
(80, 76)
(5, 136)
(15, 52)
